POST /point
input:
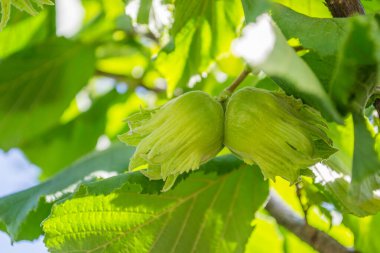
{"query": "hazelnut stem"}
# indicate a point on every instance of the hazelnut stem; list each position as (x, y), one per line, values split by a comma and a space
(230, 89)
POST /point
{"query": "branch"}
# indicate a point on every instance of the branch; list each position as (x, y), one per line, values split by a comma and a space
(238, 81)
(345, 8)
(133, 83)
(286, 217)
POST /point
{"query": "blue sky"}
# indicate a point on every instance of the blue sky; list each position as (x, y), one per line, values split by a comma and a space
(17, 174)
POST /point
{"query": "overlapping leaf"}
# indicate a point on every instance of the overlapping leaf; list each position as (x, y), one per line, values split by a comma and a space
(337, 171)
(321, 54)
(279, 61)
(357, 70)
(356, 75)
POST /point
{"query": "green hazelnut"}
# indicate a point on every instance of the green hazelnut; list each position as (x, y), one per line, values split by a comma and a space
(277, 132)
(176, 138)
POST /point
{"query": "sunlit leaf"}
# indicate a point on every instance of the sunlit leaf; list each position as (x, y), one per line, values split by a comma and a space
(260, 242)
(198, 215)
(24, 33)
(313, 8)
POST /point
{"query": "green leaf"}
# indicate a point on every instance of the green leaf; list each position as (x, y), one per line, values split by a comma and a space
(366, 233)
(313, 8)
(371, 6)
(144, 11)
(297, 25)
(293, 75)
(202, 31)
(37, 85)
(22, 212)
(24, 5)
(206, 212)
(260, 242)
(5, 12)
(321, 54)
(366, 161)
(253, 8)
(292, 243)
(357, 70)
(24, 33)
(356, 75)
(336, 174)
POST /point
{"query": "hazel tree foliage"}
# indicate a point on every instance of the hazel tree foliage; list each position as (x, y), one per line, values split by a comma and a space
(194, 126)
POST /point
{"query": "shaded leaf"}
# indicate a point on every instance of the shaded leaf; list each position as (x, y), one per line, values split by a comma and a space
(37, 85)
(357, 70)
(366, 161)
(253, 8)
(356, 75)
(321, 54)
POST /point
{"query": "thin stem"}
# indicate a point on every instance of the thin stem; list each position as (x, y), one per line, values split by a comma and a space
(230, 89)
(131, 82)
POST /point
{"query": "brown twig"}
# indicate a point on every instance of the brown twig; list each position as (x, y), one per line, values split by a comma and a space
(287, 218)
(238, 81)
(131, 82)
(345, 8)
